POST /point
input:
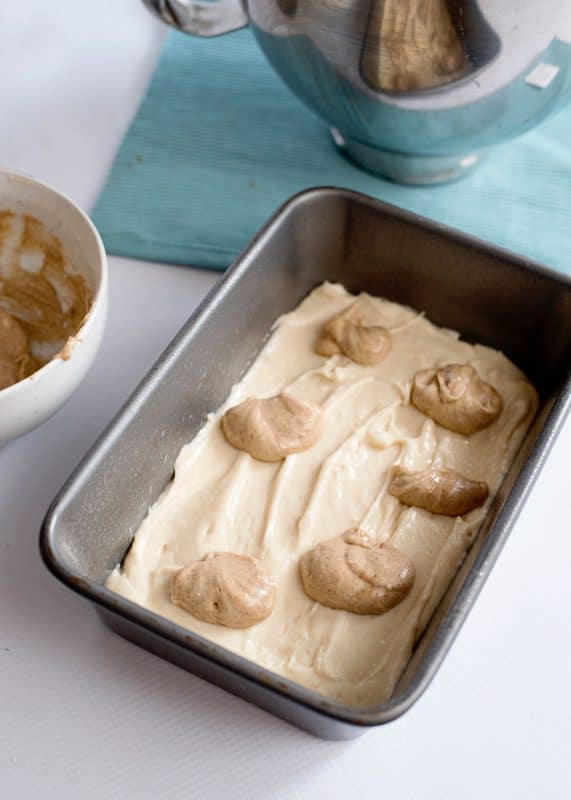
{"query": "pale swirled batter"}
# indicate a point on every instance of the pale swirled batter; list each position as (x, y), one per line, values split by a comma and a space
(222, 499)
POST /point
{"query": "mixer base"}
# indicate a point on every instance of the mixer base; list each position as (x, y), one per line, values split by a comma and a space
(403, 167)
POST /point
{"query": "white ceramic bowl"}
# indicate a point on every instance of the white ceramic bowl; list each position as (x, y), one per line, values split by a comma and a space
(30, 402)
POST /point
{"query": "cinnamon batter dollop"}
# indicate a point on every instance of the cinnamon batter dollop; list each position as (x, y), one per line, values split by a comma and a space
(224, 589)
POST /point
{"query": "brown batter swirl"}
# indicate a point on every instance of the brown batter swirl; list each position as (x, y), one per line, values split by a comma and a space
(42, 304)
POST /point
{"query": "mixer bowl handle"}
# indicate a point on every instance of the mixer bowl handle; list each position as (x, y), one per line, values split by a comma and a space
(201, 19)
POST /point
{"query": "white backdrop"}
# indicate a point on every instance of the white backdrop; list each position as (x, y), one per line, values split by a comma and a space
(84, 714)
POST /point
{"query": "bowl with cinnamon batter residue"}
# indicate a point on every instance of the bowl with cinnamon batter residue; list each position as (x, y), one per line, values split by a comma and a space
(53, 301)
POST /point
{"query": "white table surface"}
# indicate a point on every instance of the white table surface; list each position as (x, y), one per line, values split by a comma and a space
(84, 714)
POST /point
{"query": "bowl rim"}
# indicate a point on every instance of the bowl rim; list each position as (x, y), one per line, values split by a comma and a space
(100, 291)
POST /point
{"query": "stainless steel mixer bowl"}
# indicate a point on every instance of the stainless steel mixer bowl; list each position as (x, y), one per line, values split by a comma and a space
(415, 90)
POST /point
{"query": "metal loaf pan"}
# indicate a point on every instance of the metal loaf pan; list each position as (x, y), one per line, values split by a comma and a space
(487, 294)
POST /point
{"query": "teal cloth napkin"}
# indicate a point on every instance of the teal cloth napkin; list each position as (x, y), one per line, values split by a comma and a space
(219, 143)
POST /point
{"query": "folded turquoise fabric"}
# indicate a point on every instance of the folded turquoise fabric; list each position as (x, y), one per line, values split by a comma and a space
(219, 143)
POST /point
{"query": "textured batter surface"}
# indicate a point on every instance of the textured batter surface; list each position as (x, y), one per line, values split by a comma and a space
(222, 499)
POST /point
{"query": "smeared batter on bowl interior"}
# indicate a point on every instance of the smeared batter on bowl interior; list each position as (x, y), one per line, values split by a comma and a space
(42, 302)
(222, 499)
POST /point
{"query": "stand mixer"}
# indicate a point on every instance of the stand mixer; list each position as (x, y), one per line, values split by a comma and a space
(414, 90)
